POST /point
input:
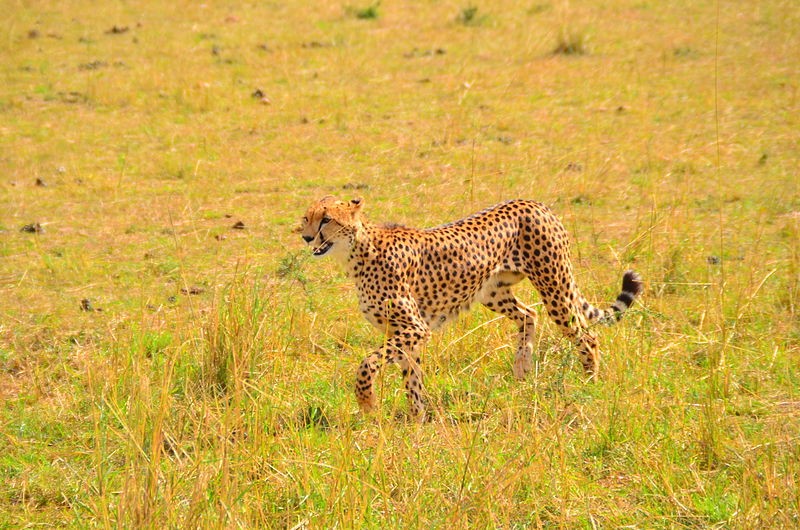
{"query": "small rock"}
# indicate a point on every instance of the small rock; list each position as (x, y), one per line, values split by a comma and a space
(94, 65)
(193, 290)
(117, 30)
(34, 34)
(32, 228)
(220, 237)
(86, 305)
(355, 186)
(416, 52)
(41, 183)
(238, 225)
(713, 260)
(72, 97)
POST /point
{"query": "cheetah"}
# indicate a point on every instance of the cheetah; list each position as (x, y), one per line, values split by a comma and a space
(412, 281)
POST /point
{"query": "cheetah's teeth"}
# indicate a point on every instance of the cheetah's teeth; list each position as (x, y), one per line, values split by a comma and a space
(322, 249)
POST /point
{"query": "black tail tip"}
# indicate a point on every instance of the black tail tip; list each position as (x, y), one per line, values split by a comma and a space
(632, 283)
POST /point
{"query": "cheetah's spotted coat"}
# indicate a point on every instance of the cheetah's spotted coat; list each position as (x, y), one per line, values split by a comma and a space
(412, 281)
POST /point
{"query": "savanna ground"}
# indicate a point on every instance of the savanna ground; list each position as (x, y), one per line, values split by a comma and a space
(160, 368)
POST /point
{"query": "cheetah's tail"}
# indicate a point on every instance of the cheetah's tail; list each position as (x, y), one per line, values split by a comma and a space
(632, 286)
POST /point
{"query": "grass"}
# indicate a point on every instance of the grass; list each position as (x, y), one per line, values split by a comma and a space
(571, 42)
(468, 16)
(367, 13)
(210, 383)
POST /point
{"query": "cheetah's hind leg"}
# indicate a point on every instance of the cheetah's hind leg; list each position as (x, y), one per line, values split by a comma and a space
(503, 301)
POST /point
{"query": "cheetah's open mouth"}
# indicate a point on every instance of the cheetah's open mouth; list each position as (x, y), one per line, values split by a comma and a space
(322, 249)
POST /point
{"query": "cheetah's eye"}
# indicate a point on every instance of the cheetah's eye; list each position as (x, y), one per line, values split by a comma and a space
(325, 220)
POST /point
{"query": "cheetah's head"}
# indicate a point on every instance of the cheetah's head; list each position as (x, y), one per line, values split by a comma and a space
(331, 224)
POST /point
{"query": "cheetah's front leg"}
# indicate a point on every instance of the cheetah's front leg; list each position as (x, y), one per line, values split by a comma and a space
(400, 348)
(412, 380)
(367, 371)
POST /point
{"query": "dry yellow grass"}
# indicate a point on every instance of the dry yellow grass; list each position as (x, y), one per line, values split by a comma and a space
(210, 386)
